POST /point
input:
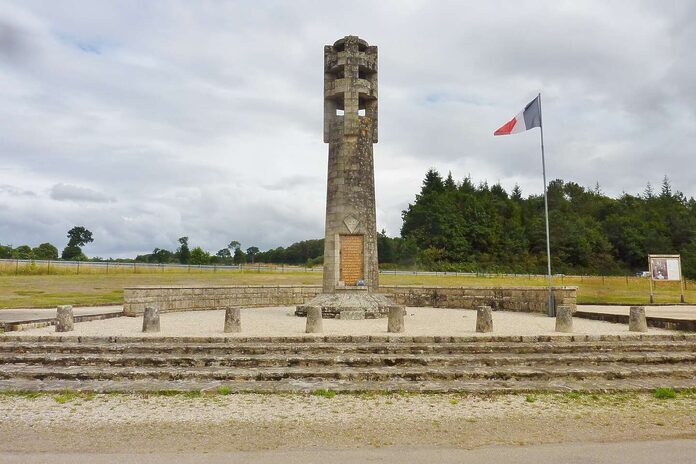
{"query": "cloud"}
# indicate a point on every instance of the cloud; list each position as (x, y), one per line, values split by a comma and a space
(66, 192)
(206, 120)
(11, 190)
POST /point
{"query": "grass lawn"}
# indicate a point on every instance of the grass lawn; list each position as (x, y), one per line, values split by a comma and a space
(37, 291)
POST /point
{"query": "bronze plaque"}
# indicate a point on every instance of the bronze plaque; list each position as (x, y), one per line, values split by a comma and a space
(352, 262)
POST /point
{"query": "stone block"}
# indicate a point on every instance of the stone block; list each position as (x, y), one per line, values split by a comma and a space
(64, 318)
(233, 320)
(151, 319)
(564, 319)
(314, 320)
(484, 319)
(636, 319)
(396, 319)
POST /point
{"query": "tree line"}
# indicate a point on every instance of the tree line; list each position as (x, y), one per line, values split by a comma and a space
(467, 227)
(462, 226)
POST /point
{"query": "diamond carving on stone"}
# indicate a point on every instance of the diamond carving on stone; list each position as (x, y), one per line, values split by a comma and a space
(351, 223)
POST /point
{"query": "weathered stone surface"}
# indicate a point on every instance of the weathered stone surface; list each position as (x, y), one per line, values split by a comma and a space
(151, 319)
(396, 319)
(348, 315)
(350, 87)
(636, 319)
(64, 318)
(314, 320)
(564, 319)
(484, 319)
(631, 362)
(524, 299)
(233, 320)
(349, 305)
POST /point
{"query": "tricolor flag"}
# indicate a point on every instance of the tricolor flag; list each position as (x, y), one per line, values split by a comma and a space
(529, 117)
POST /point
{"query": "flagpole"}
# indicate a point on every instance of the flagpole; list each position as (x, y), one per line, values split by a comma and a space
(551, 310)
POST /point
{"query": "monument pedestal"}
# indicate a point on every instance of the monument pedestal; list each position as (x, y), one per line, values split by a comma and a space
(350, 303)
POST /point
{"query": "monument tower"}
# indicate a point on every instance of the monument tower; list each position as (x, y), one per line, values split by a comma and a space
(351, 273)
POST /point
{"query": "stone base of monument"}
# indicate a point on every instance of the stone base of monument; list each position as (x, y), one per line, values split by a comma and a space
(350, 304)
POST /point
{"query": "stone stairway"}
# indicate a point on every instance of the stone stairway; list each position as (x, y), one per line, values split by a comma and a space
(351, 364)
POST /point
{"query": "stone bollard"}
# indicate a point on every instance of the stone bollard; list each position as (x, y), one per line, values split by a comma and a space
(564, 319)
(233, 320)
(64, 319)
(314, 322)
(484, 319)
(151, 319)
(636, 319)
(396, 319)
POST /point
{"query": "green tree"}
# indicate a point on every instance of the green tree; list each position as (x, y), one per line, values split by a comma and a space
(5, 252)
(183, 252)
(199, 256)
(79, 236)
(45, 251)
(73, 253)
(224, 254)
(239, 256)
(22, 252)
(251, 252)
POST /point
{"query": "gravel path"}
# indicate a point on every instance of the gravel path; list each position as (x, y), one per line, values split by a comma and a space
(282, 322)
(218, 423)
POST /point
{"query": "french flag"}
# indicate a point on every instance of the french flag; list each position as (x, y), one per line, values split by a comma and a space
(529, 117)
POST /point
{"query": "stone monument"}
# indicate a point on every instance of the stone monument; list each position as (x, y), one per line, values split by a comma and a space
(351, 273)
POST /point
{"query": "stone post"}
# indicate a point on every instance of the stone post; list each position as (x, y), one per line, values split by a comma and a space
(64, 319)
(396, 319)
(233, 320)
(314, 321)
(484, 319)
(636, 319)
(151, 319)
(564, 319)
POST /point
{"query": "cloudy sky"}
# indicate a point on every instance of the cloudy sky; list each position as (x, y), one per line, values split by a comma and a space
(146, 121)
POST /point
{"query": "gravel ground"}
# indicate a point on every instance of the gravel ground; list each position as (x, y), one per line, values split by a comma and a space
(282, 322)
(216, 423)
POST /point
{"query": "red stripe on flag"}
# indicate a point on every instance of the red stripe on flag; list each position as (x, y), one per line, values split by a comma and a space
(507, 128)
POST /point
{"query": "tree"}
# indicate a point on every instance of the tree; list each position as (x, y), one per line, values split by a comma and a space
(199, 256)
(183, 252)
(251, 252)
(239, 256)
(234, 245)
(79, 236)
(73, 253)
(5, 252)
(22, 252)
(45, 251)
(224, 254)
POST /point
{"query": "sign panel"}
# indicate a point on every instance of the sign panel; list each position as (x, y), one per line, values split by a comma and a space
(352, 259)
(665, 267)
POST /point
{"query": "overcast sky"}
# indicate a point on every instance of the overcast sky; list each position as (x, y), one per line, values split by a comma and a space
(146, 121)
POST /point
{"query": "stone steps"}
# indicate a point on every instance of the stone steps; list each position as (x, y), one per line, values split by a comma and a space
(306, 349)
(606, 371)
(351, 364)
(344, 360)
(398, 386)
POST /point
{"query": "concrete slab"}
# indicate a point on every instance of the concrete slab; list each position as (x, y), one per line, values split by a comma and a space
(677, 317)
(21, 319)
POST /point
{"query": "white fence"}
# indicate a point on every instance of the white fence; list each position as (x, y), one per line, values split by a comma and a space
(27, 266)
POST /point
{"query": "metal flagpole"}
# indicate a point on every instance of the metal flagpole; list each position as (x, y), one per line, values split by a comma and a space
(551, 311)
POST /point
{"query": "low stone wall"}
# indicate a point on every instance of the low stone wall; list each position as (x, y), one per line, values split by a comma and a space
(522, 299)
(169, 299)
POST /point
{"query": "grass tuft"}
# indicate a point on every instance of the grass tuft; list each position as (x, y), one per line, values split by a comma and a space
(224, 390)
(665, 393)
(324, 393)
